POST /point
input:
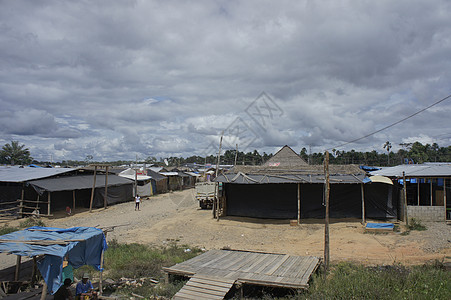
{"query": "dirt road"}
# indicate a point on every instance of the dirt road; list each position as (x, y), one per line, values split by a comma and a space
(176, 217)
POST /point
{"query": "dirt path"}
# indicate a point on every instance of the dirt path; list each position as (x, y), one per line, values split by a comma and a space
(176, 217)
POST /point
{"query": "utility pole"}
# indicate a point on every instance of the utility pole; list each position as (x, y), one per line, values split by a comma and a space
(326, 227)
(217, 186)
(236, 154)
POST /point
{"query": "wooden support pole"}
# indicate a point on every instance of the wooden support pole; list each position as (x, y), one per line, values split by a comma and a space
(326, 227)
(363, 203)
(73, 204)
(216, 175)
(106, 189)
(93, 189)
(22, 198)
(406, 217)
(418, 191)
(44, 291)
(431, 191)
(101, 274)
(33, 271)
(16, 273)
(444, 198)
(299, 203)
(48, 203)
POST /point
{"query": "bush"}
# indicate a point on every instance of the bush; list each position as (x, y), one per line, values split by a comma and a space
(416, 225)
(7, 229)
(30, 222)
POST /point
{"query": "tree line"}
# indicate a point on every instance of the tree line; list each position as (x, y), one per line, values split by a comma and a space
(416, 153)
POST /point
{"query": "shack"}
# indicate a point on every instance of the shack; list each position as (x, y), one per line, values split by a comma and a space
(289, 189)
(49, 246)
(427, 189)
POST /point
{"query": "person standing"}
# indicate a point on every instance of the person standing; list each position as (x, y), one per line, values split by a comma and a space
(137, 201)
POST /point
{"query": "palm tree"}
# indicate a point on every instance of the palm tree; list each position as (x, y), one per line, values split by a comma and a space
(15, 153)
(387, 146)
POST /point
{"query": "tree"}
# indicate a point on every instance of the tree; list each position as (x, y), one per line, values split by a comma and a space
(14, 153)
(387, 146)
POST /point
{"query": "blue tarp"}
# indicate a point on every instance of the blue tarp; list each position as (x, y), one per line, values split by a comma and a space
(380, 225)
(83, 246)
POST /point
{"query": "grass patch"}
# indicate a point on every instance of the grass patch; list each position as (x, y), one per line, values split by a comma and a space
(28, 222)
(137, 260)
(351, 281)
(7, 229)
(415, 224)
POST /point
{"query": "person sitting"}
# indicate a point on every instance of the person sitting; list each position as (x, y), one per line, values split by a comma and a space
(64, 292)
(85, 288)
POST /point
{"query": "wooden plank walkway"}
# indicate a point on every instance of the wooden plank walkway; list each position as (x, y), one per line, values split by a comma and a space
(201, 287)
(267, 269)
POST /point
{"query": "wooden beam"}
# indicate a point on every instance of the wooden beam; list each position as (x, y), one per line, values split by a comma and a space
(431, 192)
(363, 203)
(73, 205)
(16, 273)
(406, 217)
(326, 227)
(444, 198)
(101, 273)
(106, 188)
(44, 291)
(299, 203)
(418, 191)
(48, 203)
(93, 189)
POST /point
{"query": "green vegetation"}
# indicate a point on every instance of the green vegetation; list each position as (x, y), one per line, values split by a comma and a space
(137, 261)
(416, 225)
(28, 222)
(350, 281)
(15, 154)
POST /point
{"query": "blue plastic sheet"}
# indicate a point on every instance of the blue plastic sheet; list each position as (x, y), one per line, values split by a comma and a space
(85, 247)
(380, 225)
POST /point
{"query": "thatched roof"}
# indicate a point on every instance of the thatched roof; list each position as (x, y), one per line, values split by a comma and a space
(285, 157)
(299, 170)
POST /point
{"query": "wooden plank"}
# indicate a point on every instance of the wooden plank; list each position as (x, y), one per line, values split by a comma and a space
(269, 260)
(213, 283)
(276, 266)
(235, 265)
(189, 295)
(199, 295)
(309, 270)
(289, 263)
(208, 287)
(204, 290)
(292, 270)
(254, 264)
(221, 256)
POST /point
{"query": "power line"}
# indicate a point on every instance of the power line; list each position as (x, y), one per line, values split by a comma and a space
(391, 125)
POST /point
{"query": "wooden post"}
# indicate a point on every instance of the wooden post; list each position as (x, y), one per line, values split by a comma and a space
(326, 227)
(48, 203)
(93, 189)
(16, 274)
(444, 198)
(33, 271)
(22, 197)
(236, 154)
(418, 191)
(431, 190)
(136, 181)
(44, 291)
(363, 203)
(217, 170)
(299, 203)
(73, 205)
(406, 217)
(106, 189)
(101, 274)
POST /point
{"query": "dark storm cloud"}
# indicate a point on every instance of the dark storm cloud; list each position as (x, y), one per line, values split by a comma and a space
(153, 78)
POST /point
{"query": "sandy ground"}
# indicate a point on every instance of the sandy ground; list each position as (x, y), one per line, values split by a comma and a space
(176, 217)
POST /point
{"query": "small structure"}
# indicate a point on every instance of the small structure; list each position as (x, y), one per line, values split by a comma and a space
(427, 189)
(144, 184)
(285, 158)
(161, 182)
(81, 246)
(213, 273)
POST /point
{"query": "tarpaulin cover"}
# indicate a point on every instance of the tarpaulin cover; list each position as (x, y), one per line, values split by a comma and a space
(85, 252)
(380, 225)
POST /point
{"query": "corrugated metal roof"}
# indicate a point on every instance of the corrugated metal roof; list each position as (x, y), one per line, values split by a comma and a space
(79, 182)
(241, 178)
(18, 174)
(422, 170)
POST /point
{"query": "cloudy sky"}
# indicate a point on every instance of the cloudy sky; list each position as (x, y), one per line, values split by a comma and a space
(126, 79)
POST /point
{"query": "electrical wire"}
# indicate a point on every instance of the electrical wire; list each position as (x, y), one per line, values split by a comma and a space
(391, 125)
